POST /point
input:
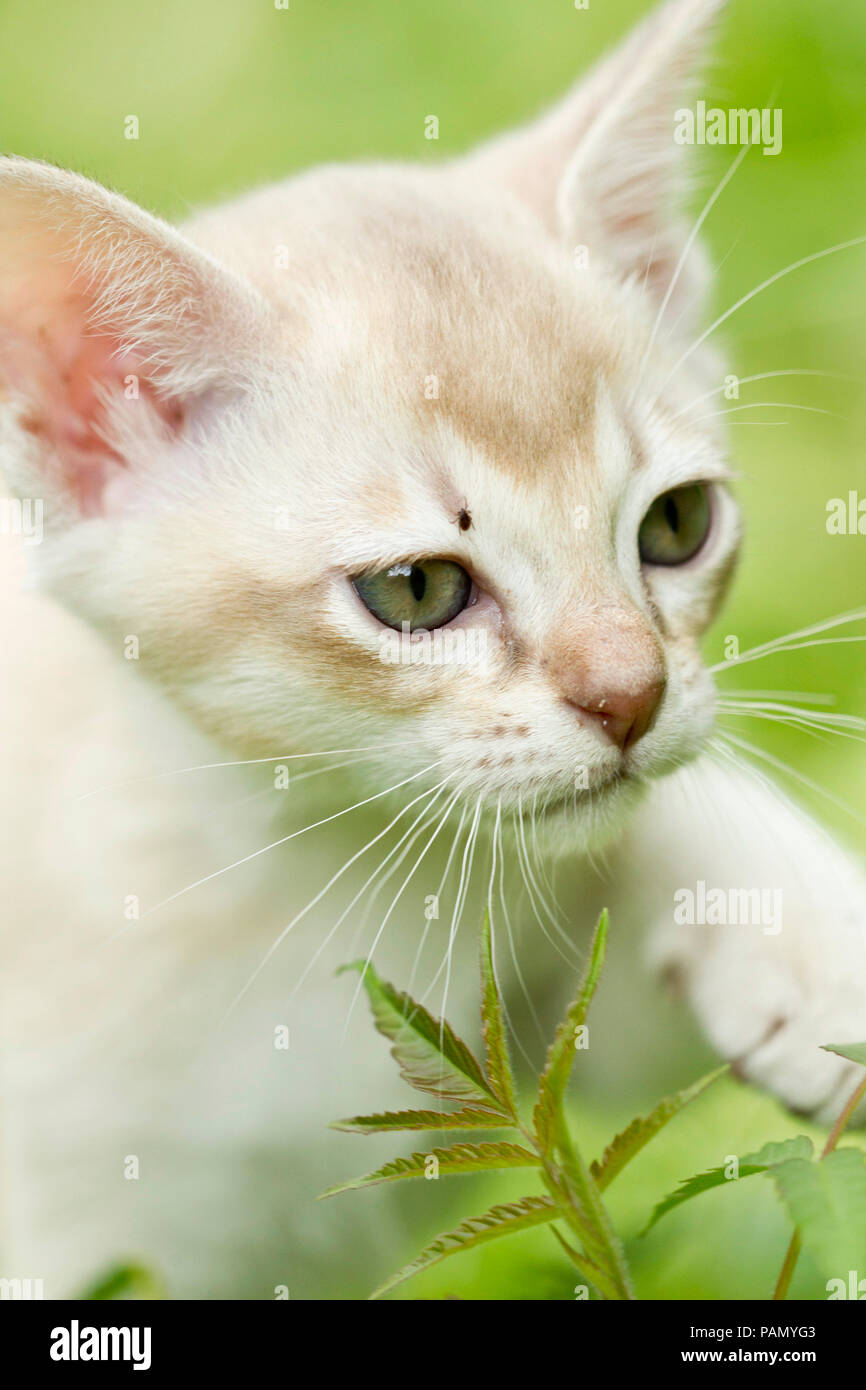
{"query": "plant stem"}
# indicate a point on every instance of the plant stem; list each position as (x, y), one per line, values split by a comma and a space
(574, 1190)
(574, 1216)
(557, 1185)
(789, 1265)
(793, 1253)
(839, 1127)
(595, 1211)
(584, 1266)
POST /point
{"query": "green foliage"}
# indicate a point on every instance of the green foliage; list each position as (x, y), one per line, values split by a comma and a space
(768, 1157)
(855, 1052)
(264, 96)
(429, 1054)
(433, 1059)
(466, 1118)
(461, 1158)
(825, 1198)
(557, 1068)
(827, 1204)
(622, 1149)
(125, 1281)
(492, 1027)
(499, 1221)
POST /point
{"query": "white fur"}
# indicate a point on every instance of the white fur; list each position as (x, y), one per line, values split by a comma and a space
(299, 391)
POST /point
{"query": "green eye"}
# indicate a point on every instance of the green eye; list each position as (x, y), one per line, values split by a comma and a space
(428, 594)
(676, 526)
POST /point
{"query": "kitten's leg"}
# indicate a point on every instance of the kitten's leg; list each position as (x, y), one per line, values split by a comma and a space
(789, 972)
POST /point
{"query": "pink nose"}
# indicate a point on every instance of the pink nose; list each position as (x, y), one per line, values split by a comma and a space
(609, 665)
(625, 717)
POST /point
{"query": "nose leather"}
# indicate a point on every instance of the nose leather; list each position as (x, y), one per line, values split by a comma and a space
(625, 717)
(610, 667)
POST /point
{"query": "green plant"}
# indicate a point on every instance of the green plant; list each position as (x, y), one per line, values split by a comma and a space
(125, 1281)
(826, 1200)
(825, 1197)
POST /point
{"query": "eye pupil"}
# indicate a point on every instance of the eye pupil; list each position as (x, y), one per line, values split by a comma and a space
(427, 594)
(676, 525)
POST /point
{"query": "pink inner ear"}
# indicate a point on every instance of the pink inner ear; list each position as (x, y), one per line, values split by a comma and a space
(63, 372)
(72, 409)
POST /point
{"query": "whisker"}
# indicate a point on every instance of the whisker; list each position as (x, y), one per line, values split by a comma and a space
(333, 767)
(236, 762)
(462, 888)
(387, 916)
(781, 766)
(426, 817)
(806, 696)
(518, 972)
(684, 255)
(490, 918)
(780, 719)
(552, 916)
(759, 405)
(758, 376)
(746, 298)
(780, 643)
(280, 938)
(439, 890)
(672, 331)
(539, 859)
(829, 722)
(358, 933)
(458, 916)
(526, 874)
(786, 647)
(293, 836)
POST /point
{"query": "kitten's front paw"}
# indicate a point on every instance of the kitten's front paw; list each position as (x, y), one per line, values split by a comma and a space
(769, 1003)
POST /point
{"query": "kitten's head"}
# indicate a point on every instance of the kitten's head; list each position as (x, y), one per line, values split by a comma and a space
(275, 445)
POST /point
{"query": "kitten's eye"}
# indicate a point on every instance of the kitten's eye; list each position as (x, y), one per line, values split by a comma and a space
(676, 526)
(426, 595)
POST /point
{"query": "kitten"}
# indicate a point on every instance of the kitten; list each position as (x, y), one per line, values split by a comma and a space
(459, 398)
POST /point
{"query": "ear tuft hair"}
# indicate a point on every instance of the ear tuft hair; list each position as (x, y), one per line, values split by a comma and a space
(100, 300)
(602, 169)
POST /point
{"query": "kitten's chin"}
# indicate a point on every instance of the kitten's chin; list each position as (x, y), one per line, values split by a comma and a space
(587, 820)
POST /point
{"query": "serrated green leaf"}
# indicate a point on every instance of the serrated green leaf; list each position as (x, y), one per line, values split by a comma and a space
(800, 1146)
(560, 1055)
(827, 1204)
(632, 1139)
(429, 1054)
(854, 1052)
(493, 1030)
(503, 1220)
(422, 1119)
(459, 1158)
(763, 1161)
(693, 1187)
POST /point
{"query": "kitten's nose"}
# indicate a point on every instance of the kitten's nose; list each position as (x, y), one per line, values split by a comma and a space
(610, 666)
(624, 717)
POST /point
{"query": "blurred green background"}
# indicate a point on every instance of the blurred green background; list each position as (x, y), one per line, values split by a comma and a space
(230, 93)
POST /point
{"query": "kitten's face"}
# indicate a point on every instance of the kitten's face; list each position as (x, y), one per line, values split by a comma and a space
(442, 417)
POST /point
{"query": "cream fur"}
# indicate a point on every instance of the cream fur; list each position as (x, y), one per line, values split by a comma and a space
(283, 343)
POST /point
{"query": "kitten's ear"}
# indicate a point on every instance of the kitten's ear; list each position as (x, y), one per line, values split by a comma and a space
(602, 168)
(102, 304)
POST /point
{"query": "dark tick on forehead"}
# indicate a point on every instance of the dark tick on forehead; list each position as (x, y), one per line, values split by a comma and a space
(464, 519)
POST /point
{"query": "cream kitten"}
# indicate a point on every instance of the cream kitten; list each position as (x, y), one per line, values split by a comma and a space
(459, 398)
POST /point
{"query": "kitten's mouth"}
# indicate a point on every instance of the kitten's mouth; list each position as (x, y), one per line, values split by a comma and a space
(578, 798)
